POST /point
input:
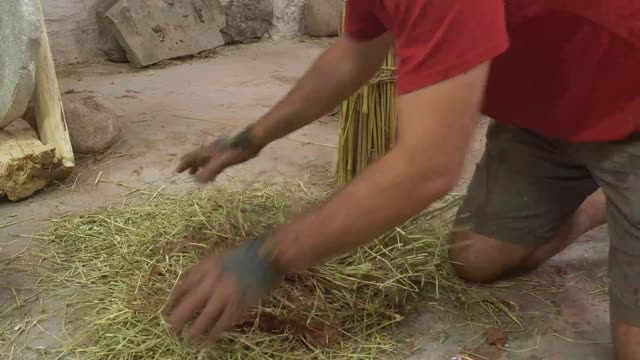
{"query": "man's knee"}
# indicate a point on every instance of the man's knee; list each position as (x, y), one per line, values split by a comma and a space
(469, 268)
(480, 259)
(626, 339)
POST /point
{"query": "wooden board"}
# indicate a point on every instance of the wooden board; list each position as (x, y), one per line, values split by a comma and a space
(25, 162)
(47, 102)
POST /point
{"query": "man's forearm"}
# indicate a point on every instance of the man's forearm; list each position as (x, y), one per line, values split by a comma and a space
(337, 74)
(387, 194)
(423, 167)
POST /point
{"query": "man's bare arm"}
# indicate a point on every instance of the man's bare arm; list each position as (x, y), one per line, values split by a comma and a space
(435, 127)
(335, 75)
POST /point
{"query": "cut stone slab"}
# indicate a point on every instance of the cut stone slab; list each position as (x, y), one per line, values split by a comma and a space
(322, 18)
(20, 39)
(107, 41)
(25, 162)
(152, 31)
(247, 20)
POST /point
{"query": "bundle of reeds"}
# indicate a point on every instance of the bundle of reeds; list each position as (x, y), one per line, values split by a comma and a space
(367, 122)
(114, 267)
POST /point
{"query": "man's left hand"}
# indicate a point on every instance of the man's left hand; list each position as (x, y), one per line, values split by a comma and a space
(217, 292)
(210, 297)
(207, 162)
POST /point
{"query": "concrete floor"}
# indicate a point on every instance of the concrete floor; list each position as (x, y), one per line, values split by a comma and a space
(169, 110)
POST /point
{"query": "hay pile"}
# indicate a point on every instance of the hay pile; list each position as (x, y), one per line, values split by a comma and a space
(114, 268)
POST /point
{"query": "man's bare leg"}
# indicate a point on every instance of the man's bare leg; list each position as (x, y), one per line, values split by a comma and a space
(591, 214)
(482, 259)
(478, 258)
(626, 339)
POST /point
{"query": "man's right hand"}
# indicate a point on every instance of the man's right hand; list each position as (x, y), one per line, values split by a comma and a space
(207, 162)
(338, 73)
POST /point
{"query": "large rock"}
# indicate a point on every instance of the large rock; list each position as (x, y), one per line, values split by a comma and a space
(219, 13)
(107, 40)
(247, 20)
(92, 126)
(20, 43)
(152, 31)
(322, 18)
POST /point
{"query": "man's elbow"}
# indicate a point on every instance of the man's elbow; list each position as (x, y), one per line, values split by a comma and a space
(434, 181)
(441, 184)
(428, 179)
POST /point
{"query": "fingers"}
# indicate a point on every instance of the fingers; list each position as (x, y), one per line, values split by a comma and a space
(190, 295)
(191, 304)
(226, 320)
(219, 301)
(215, 166)
(197, 158)
(207, 318)
(188, 161)
(220, 297)
(207, 162)
(186, 283)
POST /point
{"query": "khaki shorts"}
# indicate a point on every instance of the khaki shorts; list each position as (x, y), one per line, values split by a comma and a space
(527, 186)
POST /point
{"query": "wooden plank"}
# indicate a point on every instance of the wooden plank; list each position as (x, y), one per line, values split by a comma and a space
(52, 126)
(25, 162)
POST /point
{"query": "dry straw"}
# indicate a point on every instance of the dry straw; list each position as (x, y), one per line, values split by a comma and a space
(113, 269)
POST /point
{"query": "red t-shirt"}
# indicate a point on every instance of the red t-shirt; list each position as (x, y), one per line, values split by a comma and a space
(568, 69)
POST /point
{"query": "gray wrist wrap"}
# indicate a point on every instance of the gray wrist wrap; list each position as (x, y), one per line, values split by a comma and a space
(241, 141)
(256, 273)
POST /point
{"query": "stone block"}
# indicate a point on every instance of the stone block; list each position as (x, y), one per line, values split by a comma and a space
(247, 20)
(152, 31)
(107, 41)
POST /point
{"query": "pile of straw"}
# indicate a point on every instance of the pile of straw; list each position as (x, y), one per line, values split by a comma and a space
(114, 268)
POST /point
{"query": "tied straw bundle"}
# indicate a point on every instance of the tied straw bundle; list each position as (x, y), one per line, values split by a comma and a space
(367, 121)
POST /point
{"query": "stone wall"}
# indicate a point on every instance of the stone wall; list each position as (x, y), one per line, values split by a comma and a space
(73, 31)
(287, 19)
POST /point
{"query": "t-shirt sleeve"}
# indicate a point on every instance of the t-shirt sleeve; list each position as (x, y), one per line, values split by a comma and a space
(439, 39)
(362, 23)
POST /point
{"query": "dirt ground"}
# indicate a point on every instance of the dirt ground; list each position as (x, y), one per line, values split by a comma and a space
(170, 109)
